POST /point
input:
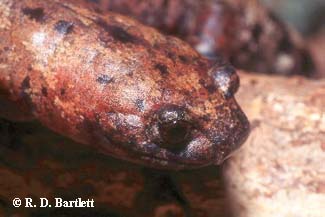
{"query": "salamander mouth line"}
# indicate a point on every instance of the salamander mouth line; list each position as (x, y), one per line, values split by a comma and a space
(175, 162)
(177, 159)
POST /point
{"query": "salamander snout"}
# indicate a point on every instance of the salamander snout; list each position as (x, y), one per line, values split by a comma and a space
(183, 137)
(171, 128)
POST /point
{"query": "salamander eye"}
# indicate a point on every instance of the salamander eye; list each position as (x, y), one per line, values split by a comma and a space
(226, 79)
(174, 128)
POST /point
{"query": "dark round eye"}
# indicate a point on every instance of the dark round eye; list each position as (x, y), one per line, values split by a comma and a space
(174, 128)
(225, 78)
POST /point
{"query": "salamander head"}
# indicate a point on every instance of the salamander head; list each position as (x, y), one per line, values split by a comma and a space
(125, 88)
(181, 121)
(203, 130)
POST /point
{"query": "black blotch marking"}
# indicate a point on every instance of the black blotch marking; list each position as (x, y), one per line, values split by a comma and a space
(162, 68)
(63, 27)
(118, 33)
(44, 91)
(104, 79)
(36, 14)
(26, 83)
(139, 104)
(62, 91)
(184, 59)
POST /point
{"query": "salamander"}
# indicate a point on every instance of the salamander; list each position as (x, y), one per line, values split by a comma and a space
(119, 86)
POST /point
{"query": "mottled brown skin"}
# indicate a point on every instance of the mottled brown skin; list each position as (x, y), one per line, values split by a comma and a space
(110, 82)
(244, 31)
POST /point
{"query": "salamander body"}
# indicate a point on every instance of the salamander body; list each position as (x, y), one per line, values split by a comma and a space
(244, 31)
(117, 85)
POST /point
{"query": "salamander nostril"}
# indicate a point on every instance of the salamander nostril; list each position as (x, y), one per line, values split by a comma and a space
(225, 78)
(174, 128)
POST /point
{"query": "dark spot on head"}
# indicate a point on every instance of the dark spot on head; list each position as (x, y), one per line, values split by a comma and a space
(62, 91)
(162, 68)
(44, 91)
(139, 104)
(36, 14)
(63, 27)
(184, 59)
(118, 33)
(26, 83)
(30, 68)
(104, 79)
